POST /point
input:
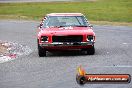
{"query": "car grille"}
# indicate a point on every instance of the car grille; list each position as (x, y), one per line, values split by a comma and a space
(70, 38)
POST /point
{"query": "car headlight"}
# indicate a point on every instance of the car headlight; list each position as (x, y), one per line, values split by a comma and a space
(90, 37)
(44, 39)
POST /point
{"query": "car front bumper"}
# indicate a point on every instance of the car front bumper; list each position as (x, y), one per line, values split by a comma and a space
(55, 44)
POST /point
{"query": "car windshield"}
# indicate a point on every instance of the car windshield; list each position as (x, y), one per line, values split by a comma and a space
(65, 21)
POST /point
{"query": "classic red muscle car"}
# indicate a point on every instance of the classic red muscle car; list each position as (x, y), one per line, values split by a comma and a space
(65, 31)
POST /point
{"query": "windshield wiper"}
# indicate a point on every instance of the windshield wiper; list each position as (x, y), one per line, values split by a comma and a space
(81, 26)
(56, 26)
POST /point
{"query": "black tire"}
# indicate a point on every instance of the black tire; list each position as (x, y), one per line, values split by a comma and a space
(91, 51)
(81, 80)
(41, 51)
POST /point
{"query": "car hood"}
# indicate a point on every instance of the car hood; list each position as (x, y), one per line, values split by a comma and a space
(67, 31)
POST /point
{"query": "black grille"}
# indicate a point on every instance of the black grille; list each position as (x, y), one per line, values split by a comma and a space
(70, 38)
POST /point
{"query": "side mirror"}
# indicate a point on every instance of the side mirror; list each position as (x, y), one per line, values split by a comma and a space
(40, 26)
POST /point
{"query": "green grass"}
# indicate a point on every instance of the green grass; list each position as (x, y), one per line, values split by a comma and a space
(100, 10)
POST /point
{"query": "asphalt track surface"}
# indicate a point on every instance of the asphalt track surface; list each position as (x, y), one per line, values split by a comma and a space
(58, 70)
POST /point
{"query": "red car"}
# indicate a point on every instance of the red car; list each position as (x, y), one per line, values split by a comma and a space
(65, 31)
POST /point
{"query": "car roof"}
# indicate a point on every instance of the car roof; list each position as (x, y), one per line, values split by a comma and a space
(65, 14)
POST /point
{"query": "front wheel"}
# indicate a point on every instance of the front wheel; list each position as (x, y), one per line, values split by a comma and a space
(91, 51)
(41, 51)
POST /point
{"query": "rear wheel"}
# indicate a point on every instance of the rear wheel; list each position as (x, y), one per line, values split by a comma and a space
(41, 51)
(81, 80)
